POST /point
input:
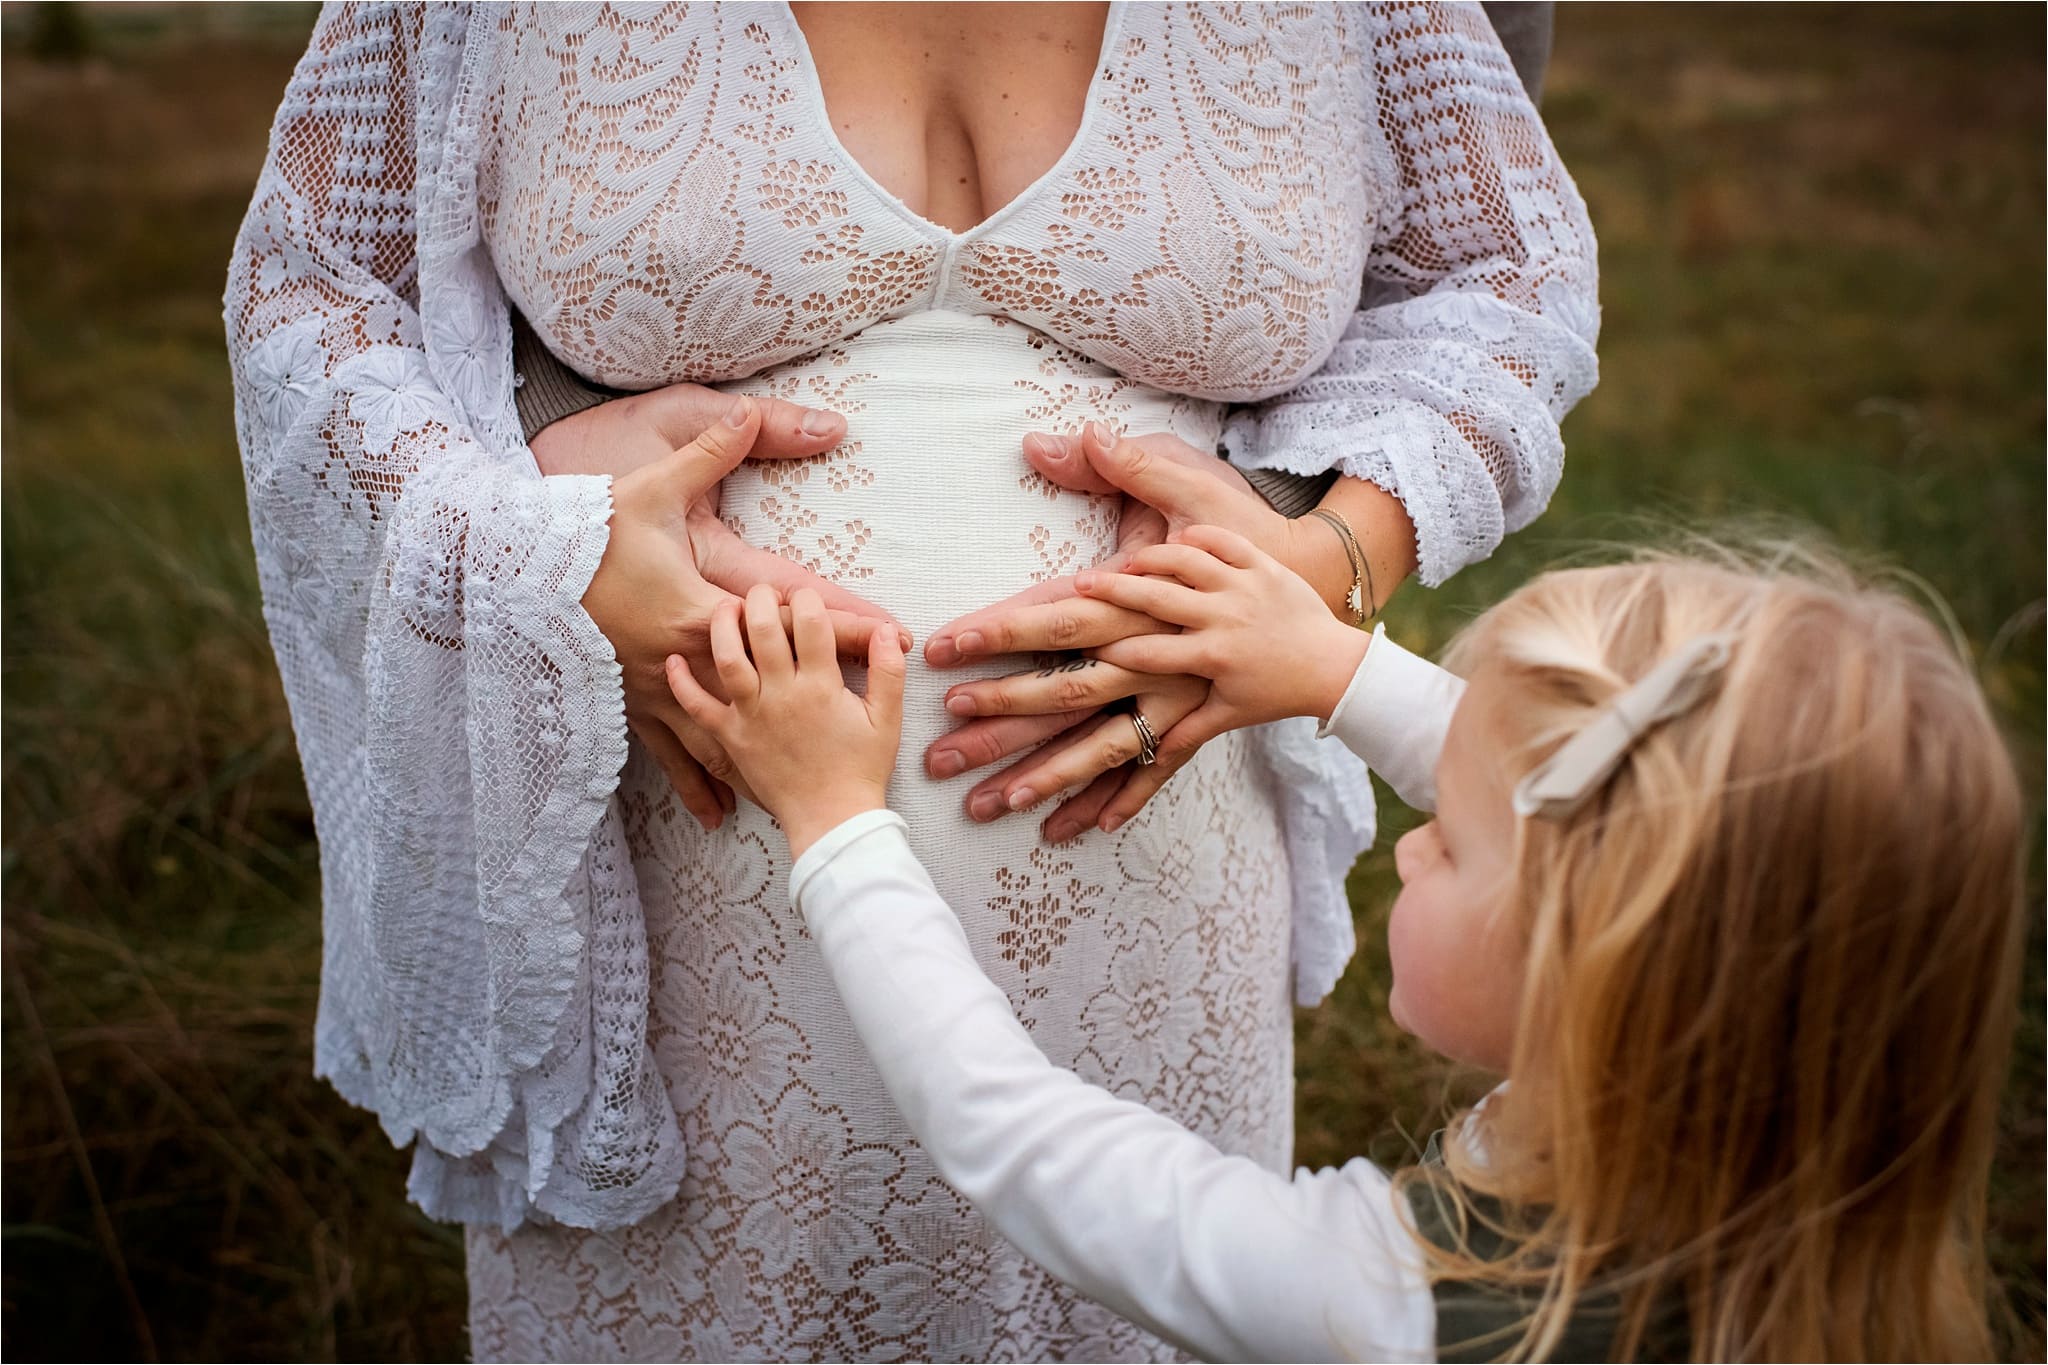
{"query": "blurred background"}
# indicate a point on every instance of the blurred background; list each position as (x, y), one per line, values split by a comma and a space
(1822, 259)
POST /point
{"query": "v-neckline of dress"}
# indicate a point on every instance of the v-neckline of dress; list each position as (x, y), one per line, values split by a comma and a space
(1112, 25)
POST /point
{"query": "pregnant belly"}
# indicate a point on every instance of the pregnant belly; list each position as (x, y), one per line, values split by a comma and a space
(1154, 960)
(929, 509)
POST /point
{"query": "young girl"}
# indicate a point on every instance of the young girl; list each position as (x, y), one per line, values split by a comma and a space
(1725, 876)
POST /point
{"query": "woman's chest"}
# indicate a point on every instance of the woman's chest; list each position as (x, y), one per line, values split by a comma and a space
(666, 194)
(980, 98)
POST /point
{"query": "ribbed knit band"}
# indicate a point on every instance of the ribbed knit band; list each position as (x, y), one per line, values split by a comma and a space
(544, 389)
(1291, 495)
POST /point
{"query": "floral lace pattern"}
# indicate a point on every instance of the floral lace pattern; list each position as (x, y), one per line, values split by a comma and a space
(1345, 218)
(1238, 172)
(1154, 961)
(711, 225)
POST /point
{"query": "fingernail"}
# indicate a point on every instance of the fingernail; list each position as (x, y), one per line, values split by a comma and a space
(817, 423)
(986, 806)
(946, 763)
(1110, 822)
(1101, 434)
(960, 706)
(903, 640)
(969, 642)
(736, 415)
(1083, 582)
(1023, 797)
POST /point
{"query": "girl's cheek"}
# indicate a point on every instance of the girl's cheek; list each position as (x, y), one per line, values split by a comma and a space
(1397, 1006)
(1411, 994)
(1402, 929)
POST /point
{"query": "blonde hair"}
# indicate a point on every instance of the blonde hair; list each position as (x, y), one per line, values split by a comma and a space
(1771, 974)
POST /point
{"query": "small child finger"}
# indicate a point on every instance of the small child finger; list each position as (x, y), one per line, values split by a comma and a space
(697, 703)
(1192, 564)
(885, 677)
(729, 654)
(1162, 599)
(765, 635)
(1224, 544)
(851, 633)
(1157, 654)
(811, 628)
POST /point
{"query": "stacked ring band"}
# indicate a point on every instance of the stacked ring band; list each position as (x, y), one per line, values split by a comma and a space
(1148, 743)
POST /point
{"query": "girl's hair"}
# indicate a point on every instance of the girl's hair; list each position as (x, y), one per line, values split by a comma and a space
(1771, 974)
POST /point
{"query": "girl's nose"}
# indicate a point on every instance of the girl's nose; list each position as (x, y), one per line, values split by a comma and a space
(1408, 854)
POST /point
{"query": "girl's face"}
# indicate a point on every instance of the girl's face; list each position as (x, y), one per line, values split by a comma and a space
(1455, 945)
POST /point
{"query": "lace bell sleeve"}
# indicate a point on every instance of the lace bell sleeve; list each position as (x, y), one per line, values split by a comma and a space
(458, 715)
(1478, 317)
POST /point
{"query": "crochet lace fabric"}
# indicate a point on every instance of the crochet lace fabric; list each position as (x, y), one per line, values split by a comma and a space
(1347, 220)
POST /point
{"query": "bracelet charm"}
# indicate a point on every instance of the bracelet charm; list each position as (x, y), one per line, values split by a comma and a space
(1361, 599)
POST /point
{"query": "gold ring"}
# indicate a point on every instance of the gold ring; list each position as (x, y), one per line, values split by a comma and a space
(1148, 743)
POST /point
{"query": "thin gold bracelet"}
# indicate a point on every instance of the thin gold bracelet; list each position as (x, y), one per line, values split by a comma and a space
(1363, 598)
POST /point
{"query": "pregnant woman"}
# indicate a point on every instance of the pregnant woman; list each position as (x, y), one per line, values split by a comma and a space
(899, 240)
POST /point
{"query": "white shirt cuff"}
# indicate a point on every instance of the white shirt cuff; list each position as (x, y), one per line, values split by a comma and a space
(837, 840)
(1394, 715)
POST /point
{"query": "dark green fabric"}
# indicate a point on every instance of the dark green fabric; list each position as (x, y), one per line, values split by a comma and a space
(1481, 1322)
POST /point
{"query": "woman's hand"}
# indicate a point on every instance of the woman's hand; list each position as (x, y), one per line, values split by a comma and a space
(1099, 750)
(1168, 485)
(629, 434)
(663, 577)
(620, 436)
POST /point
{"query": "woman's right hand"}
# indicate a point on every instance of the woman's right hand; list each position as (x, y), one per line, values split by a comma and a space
(619, 436)
(667, 566)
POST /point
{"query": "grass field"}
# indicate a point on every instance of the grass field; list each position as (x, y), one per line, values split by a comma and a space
(1821, 239)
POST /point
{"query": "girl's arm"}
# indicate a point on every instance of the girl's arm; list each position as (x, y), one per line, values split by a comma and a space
(1394, 714)
(1212, 1252)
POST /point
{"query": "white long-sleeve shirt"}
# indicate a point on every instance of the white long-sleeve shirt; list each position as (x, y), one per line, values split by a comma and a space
(1213, 1252)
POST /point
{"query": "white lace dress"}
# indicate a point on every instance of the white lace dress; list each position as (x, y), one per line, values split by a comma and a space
(604, 1029)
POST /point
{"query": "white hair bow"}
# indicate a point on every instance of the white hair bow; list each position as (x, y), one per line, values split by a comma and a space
(1561, 783)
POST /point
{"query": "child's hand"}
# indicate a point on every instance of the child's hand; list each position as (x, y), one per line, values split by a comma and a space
(1252, 626)
(812, 752)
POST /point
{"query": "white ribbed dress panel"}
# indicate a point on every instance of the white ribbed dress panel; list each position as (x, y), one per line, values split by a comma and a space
(1154, 960)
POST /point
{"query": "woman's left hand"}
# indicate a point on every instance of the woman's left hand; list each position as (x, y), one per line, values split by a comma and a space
(1167, 484)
